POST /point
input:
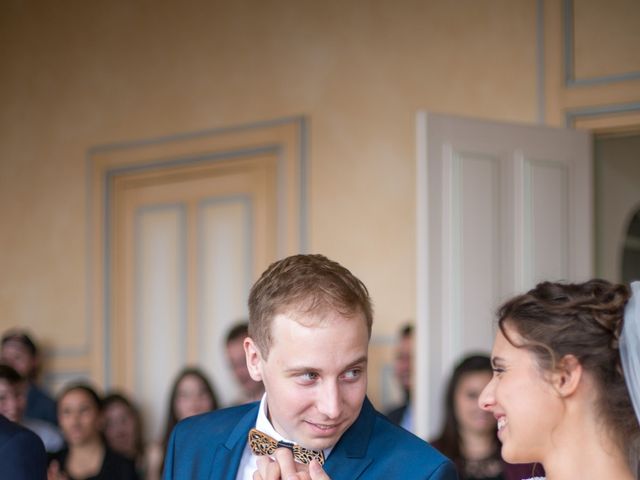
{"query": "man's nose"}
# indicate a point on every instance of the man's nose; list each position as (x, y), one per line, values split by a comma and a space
(328, 402)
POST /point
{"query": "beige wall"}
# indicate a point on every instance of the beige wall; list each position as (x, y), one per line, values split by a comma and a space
(94, 73)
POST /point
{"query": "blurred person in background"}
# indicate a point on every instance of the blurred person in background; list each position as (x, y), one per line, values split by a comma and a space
(12, 406)
(123, 430)
(191, 394)
(20, 351)
(87, 455)
(252, 391)
(469, 434)
(403, 368)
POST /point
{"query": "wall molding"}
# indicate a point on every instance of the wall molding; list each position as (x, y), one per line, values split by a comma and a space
(569, 57)
(287, 136)
(574, 114)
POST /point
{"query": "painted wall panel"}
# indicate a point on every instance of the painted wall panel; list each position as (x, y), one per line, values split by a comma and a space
(606, 40)
(160, 306)
(225, 267)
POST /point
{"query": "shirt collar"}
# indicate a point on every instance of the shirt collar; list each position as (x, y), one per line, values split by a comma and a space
(264, 425)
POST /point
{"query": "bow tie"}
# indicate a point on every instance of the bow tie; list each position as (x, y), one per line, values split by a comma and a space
(263, 444)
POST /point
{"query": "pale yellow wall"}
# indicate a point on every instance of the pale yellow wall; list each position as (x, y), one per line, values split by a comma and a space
(93, 73)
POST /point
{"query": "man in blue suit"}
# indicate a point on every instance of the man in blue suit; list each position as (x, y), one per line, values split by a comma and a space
(309, 328)
(22, 455)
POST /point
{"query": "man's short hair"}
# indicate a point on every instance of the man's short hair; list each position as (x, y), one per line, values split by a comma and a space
(9, 374)
(239, 330)
(309, 284)
(21, 337)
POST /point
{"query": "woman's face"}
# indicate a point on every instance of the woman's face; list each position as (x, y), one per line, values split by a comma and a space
(471, 418)
(524, 403)
(79, 417)
(120, 429)
(12, 400)
(192, 398)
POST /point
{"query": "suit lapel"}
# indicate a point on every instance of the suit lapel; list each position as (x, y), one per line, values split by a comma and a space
(349, 457)
(227, 456)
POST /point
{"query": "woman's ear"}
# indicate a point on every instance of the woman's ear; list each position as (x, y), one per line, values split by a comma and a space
(567, 376)
(254, 359)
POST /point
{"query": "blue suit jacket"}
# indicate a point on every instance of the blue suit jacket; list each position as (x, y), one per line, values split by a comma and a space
(40, 405)
(210, 446)
(22, 455)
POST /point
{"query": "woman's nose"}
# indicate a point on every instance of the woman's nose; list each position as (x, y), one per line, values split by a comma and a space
(486, 400)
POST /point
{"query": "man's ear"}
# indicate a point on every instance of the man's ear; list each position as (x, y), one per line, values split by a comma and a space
(254, 359)
(567, 376)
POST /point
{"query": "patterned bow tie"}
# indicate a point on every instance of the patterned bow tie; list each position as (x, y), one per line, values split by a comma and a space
(263, 444)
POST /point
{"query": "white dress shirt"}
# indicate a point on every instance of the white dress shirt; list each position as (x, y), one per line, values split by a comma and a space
(249, 461)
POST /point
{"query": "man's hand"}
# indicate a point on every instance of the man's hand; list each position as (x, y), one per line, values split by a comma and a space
(284, 467)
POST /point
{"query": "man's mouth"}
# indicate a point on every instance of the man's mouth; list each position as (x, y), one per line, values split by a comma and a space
(324, 428)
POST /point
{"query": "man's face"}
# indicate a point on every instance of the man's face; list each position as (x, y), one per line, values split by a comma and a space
(404, 362)
(315, 376)
(19, 357)
(238, 362)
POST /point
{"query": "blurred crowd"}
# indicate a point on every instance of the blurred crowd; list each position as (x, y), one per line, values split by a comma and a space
(88, 435)
(100, 436)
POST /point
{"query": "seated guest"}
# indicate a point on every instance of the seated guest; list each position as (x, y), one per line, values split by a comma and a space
(469, 435)
(12, 406)
(252, 391)
(309, 327)
(122, 428)
(191, 394)
(403, 368)
(86, 455)
(18, 350)
(22, 455)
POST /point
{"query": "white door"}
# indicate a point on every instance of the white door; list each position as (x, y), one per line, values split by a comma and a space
(500, 207)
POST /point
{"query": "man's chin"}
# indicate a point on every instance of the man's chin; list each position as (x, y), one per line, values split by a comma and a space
(321, 444)
(322, 441)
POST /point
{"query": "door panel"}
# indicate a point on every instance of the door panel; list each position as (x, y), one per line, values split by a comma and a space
(500, 207)
(188, 243)
(153, 276)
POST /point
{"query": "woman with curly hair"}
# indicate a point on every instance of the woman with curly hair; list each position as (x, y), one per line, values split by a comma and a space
(564, 359)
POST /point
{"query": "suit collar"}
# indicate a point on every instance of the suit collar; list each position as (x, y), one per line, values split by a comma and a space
(349, 457)
(246, 423)
(229, 454)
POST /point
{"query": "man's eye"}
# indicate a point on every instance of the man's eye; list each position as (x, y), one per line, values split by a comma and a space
(309, 376)
(352, 374)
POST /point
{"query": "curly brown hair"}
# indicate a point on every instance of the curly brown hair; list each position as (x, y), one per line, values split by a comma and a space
(584, 320)
(309, 284)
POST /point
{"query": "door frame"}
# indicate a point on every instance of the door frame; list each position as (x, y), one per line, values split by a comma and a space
(287, 137)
